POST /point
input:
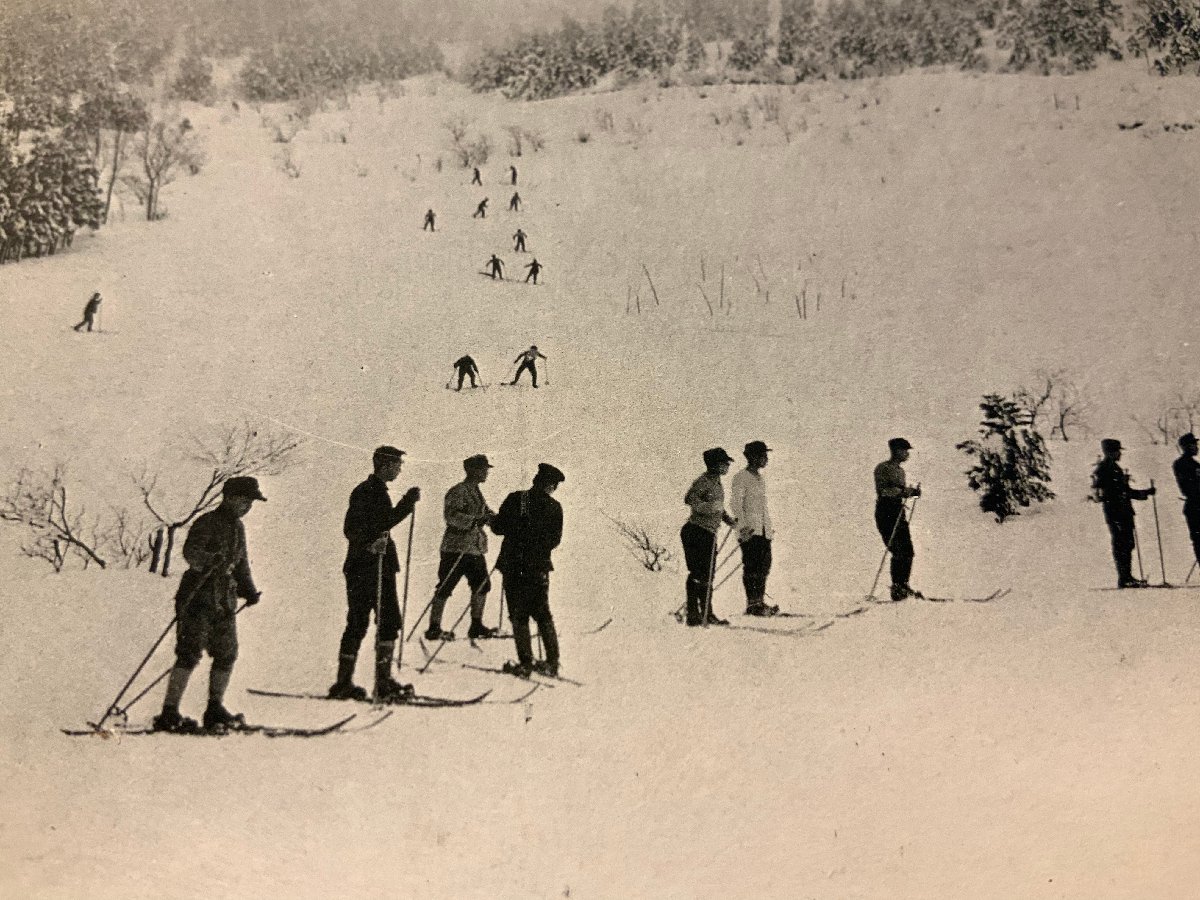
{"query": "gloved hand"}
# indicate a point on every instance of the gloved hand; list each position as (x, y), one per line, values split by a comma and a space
(254, 598)
(411, 496)
(914, 491)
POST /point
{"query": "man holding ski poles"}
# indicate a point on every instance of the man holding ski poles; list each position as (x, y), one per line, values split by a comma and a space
(706, 497)
(464, 551)
(1110, 484)
(748, 505)
(891, 492)
(1187, 476)
(206, 605)
(370, 569)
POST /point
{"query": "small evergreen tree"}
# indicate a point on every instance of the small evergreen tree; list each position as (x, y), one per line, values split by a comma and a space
(1013, 465)
(1171, 27)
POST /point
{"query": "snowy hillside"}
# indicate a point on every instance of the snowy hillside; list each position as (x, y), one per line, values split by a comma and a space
(961, 231)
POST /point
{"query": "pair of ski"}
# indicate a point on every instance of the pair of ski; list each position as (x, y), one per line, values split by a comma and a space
(998, 594)
(418, 700)
(244, 728)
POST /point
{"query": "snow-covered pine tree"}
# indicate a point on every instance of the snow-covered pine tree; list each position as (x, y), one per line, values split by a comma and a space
(1013, 464)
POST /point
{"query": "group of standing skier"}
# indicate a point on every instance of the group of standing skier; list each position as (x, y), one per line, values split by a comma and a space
(530, 521)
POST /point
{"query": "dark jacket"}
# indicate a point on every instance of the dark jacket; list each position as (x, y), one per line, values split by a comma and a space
(1111, 485)
(1187, 476)
(370, 515)
(218, 568)
(466, 364)
(531, 523)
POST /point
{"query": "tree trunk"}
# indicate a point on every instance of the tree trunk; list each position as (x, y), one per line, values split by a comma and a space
(166, 560)
(116, 168)
(156, 545)
(151, 201)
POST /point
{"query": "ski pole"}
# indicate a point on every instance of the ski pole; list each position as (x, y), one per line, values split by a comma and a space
(1137, 545)
(124, 710)
(1158, 534)
(412, 521)
(1189, 574)
(457, 622)
(442, 581)
(378, 608)
(904, 507)
(112, 707)
(712, 563)
(728, 575)
(547, 363)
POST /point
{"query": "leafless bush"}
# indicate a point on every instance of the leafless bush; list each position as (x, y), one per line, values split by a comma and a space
(1054, 396)
(479, 150)
(285, 131)
(535, 139)
(38, 502)
(768, 105)
(1180, 415)
(242, 449)
(286, 162)
(637, 129)
(516, 142)
(642, 545)
(163, 147)
(604, 120)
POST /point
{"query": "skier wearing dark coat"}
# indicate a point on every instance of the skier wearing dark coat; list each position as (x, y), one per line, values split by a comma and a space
(1187, 476)
(475, 177)
(534, 268)
(89, 312)
(370, 570)
(528, 360)
(495, 267)
(532, 524)
(514, 205)
(206, 605)
(480, 210)
(519, 241)
(891, 490)
(429, 220)
(465, 366)
(1111, 486)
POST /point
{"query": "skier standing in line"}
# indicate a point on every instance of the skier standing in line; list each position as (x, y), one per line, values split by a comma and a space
(514, 205)
(475, 177)
(519, 241)
(480, 210)
(706, 497)
(1111, 486)
(89, 312)
(748, 506)
(464, 551)
(495, 267)
(206, 605)
(532, 524)
(529, 360)
(429, 220)
(534, 268)
(1187, 476)
(370, 517)
(465, 366)
(891, 491)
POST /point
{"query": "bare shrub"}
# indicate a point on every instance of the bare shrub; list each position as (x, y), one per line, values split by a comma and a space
(285, 161)
(1179, 415)
(38, 502)
(1054, 396)
(604, 121)
(642, 545)
(516, 142)
(242, 449)
(535, 139)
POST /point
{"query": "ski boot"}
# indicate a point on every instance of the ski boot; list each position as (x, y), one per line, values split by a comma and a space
(1132, 582)
(547, 668)
(479, 631)
(170, 720)
(218, 718)
(761, 608)
(436, 634)
(714, 619)
(389, 690)
(521, 670)
(346, 690)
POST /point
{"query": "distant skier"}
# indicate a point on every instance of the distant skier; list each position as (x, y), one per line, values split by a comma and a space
(519, 239)
(475, 177)
(465, 366)
(370, 570)
(532, 525)
(464, 551)
(706, 497)
(534, 268)
(513, 172)
(528, 360)
(748, 506)
(206, 605)
(891, 491)
(1110, 484)
(495, 267)
(514, 205)
(480, 210)
(429, 220)
(89, 312)
(1187, 476)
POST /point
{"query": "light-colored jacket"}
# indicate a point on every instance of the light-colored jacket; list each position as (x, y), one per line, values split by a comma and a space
(463, 506)
(748, 504)
(706, 497)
